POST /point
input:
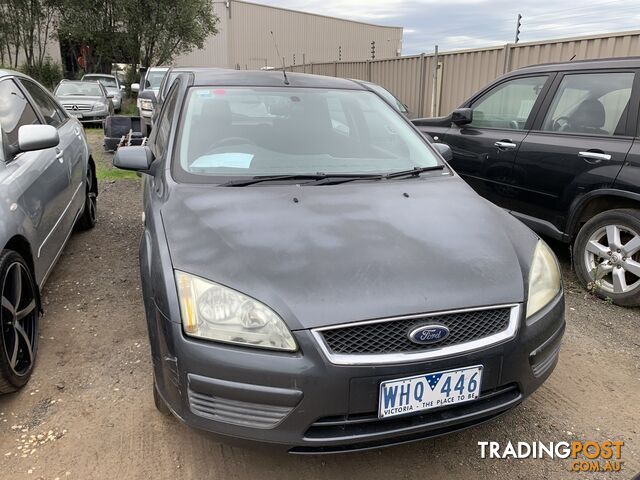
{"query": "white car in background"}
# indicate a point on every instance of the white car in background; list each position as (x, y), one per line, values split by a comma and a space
(148, 92)
(112, 84)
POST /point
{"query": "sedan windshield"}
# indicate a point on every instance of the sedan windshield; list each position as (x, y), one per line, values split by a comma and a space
(246, 132)
(87, 89)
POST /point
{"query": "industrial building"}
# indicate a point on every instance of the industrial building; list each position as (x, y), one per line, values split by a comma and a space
(245, 41)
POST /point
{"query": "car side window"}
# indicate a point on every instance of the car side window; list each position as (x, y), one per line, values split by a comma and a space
(15, 111)
(52, 114)
(163, 126)
(507, 105)
(592, 103)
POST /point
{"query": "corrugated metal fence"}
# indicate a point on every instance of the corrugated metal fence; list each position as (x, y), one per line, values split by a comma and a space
(460, 73)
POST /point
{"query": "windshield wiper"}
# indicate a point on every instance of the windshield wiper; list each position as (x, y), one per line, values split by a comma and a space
(330, 179)
(414, 172)
(272, 178)
(336, 179)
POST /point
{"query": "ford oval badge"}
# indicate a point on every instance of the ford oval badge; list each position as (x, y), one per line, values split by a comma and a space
(427, 334)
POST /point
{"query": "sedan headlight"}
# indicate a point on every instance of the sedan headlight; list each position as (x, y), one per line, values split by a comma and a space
(98, 107)
(544, 278)
(215, 312)
(146, 104)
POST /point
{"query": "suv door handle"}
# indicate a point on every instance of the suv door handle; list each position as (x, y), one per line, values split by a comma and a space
(505, 145)
(59, 155)
(594, 156)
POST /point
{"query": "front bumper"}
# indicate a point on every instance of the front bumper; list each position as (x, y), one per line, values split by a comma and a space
(302, 403)
(90, 117)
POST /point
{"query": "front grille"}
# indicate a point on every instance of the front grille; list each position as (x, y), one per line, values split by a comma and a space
(246, 414)
(78, 108)
(392, 336)
(366, 430)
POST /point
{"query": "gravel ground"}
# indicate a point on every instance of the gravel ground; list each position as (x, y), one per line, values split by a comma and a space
(88, 411)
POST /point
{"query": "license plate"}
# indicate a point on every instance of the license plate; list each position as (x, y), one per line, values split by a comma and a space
(431, 390)
(76, 114)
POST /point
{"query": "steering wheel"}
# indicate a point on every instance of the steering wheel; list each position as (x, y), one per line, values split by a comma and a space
(231, 141)
(514, 125)
(559, 122)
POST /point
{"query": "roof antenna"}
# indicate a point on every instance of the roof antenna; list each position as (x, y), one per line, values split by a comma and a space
(284, 72)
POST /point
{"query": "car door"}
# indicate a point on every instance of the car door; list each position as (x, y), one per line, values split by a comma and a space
(71, 150)
(484, 151)
(39, 180)
(578, 142)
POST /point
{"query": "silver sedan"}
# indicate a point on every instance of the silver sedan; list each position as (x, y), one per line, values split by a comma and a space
(47, 187)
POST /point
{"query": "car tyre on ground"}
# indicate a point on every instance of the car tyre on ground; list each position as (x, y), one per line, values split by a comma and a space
(19, 316)
(606, 256)
(88, 219)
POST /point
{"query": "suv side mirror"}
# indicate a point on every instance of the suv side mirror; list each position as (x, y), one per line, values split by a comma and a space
(444, 150)
(462, 116)
(37, 137)
(135, 87)
(137, 159)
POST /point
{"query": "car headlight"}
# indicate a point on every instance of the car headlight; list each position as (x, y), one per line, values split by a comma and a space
(215, 312)
(98, 107)
(544, 278)
(146, 104)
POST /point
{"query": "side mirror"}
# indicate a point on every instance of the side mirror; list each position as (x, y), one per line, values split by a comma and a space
(122, 88)
(37, 137)
(135, 87)
(444, 150)
(462, 116)
(133, 158)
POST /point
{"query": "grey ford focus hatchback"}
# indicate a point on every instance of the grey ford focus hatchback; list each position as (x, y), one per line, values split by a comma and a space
(317, 278)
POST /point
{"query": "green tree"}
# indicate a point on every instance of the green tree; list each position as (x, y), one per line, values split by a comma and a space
(26, 26)
(145, 32)
(162, 29)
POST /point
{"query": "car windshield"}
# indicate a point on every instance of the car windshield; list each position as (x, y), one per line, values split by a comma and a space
(108, 82)
(240, 132)
(153, 78)
(87, 89)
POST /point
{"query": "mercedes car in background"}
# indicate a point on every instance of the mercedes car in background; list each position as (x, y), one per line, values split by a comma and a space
(112, 84)
(47, 187)
(308, 281)
(87, 101)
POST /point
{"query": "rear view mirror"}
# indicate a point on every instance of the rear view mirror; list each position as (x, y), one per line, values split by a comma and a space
(133, 158)
(135, 87)
(444, 150)
(462, 116)
(37, 137)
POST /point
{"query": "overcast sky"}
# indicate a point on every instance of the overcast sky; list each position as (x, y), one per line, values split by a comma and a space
(457, 24)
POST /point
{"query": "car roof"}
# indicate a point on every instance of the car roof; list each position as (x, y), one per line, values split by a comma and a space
(4, 72)
(108, 75)
(600, 63)
(269, 78)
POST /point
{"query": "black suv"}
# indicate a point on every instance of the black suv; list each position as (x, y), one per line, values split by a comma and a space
(558, 146)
